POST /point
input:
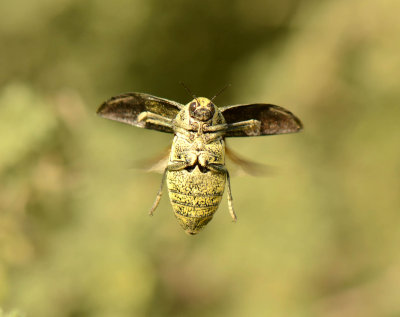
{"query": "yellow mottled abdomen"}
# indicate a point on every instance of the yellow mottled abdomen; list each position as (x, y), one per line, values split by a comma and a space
(195, 196)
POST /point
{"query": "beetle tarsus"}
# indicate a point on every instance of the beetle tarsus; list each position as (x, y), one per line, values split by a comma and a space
(155, 119)
(156, 202)
(142, 116)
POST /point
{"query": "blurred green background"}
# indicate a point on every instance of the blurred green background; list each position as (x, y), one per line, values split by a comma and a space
(319, 237)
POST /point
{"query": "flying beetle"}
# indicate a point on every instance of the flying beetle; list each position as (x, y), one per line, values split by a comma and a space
(195, 173)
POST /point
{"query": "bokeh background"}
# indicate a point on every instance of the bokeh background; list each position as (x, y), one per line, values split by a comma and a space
(319, 237)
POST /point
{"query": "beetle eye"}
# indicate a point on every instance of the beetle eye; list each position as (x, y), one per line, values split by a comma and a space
(212, 108)
(192, 106)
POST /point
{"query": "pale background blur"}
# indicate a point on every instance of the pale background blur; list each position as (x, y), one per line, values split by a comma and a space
(319, 237)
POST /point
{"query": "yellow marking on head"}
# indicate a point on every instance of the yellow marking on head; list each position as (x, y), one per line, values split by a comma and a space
(202, 101)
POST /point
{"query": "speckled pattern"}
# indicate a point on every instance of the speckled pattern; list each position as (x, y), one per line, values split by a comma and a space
(195, 196)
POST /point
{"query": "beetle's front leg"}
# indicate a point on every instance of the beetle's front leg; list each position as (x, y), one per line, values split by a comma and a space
(150, 117)
(223, 169)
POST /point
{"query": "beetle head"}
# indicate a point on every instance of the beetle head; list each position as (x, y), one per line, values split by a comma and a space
(201, 109)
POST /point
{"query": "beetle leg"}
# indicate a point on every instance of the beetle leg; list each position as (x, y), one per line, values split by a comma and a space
(216, 128)
(212, 137)
(176, 166)
(186, 133)
(222, 168)
(150, 117)
(252, 124)
(159, 193)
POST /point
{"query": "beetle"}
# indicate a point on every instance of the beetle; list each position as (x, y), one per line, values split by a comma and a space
(196, 174)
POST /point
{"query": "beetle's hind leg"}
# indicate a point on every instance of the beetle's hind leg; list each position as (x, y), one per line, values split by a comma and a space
(171, 167)
(223, 169)
(230, 199)
(159, 193)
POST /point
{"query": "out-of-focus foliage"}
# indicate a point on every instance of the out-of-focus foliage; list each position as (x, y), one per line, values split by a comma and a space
(319, 237)
(13, 313)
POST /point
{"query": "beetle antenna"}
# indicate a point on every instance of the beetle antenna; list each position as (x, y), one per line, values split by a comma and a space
(221, 91)
(188, 90)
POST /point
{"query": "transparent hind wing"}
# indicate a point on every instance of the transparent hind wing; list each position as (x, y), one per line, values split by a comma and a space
(247, 167)
(157, 164)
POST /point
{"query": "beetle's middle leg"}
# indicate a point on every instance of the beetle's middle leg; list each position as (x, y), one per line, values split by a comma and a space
(175, 166)
(223, 169)
(252, 127)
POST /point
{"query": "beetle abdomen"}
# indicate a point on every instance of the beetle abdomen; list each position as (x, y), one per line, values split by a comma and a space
(195, 196)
